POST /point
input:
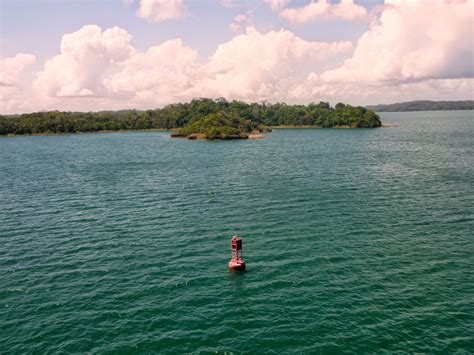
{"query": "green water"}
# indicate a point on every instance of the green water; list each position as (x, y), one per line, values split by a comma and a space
(356, 241)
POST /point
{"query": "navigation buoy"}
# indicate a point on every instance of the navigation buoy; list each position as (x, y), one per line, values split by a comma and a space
(236, 262)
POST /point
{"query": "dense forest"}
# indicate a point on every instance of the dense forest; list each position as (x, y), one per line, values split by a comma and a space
(180, 115)
(424, 106)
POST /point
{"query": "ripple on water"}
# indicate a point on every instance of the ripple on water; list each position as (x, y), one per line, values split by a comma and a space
(356, 240)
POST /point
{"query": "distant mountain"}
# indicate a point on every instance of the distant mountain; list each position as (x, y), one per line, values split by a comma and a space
(424, 106)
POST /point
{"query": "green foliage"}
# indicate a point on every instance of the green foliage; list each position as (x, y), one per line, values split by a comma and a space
(249, 116)
(220, 125)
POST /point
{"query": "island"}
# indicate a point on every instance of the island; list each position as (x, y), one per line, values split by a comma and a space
(424, 105)
(199, 118)
(220, 125)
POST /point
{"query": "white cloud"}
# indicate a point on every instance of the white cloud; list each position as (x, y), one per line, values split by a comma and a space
(98, 67)
(12, 90)
(86, 57)
(238, 69)
(241, 22)
(413, 41)
(393, 61)
(363, 93)
(264, 66)
(12, 68)
(162, 10)
(346, 10)
(162, 74)
(277, 4)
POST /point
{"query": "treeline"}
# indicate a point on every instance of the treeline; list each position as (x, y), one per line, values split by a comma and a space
(182, 114)
(424, 106)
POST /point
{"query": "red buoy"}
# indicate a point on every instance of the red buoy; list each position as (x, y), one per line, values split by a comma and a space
(236, 262)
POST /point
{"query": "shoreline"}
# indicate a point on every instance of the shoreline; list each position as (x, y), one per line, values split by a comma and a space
(293, 126)
(89, 132)
(384, 125)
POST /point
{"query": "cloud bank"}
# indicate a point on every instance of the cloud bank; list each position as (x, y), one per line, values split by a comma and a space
(394, 60)
(413, 41)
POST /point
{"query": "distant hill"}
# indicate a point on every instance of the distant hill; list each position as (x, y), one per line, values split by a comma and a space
(424, 105)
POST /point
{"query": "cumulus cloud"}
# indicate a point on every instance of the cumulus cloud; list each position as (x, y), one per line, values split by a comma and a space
(415, 50)
(101, 66)
(241, 22)
(162, 74)
(238, 69)
(162, 10)
(277, 4)
(86, 57)
(12, 90)
(264, 66)
(346, 10)
(368, 93)
(413, 41)
(12, 68)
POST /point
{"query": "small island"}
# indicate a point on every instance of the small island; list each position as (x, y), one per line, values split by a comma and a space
(201, 118)
(220, 125)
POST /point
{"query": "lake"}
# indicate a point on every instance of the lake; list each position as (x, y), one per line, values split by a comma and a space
(356, 240)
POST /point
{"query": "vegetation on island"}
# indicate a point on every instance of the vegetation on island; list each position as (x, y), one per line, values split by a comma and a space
(220, 125)
(424, 106)
(213, 118)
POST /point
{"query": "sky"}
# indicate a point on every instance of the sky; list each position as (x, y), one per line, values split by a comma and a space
(92, 55)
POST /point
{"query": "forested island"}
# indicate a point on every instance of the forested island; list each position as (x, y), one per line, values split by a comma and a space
(220, 125)
(424, 106)
(213, 119)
